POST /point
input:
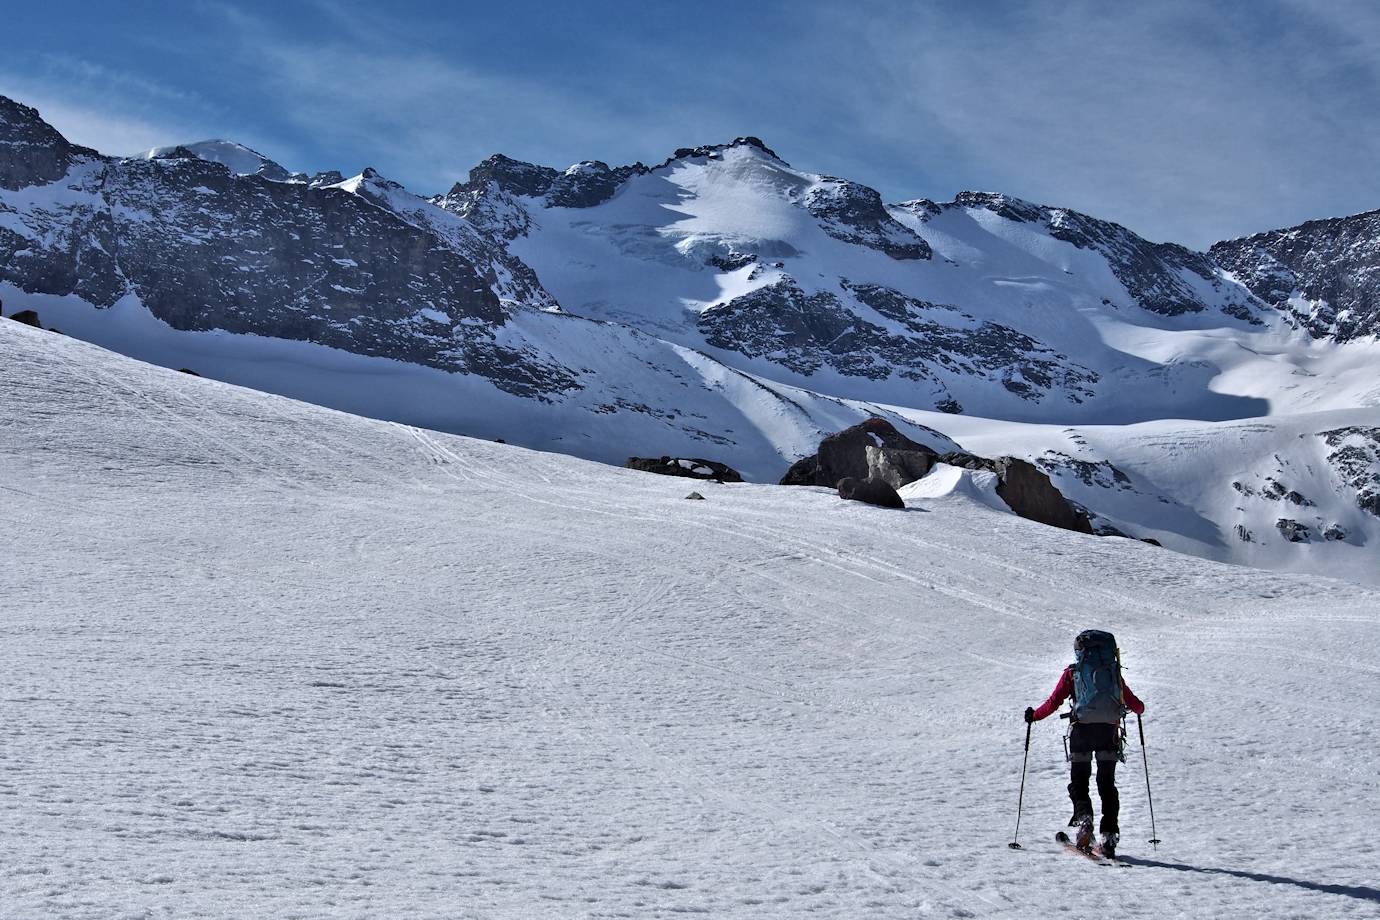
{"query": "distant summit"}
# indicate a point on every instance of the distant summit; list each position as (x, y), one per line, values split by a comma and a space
(238, 158)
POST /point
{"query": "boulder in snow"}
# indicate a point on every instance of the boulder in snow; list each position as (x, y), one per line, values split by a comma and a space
(871, 449)
(688, 467)
(1030, 493)
(28, 318)
(872, 491)
(1292, 530)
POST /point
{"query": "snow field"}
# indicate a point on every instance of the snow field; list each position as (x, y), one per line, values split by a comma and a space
(266, 659)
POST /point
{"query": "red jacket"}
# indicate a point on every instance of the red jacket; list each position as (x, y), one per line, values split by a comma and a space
(1064, 690)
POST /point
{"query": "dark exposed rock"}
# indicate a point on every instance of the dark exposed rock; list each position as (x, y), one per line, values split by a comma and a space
(33, 152)
(1275, 491)
(731, 262)
(1293, 531)
(1030, 493)
(803, 472)
(854, 213)
(187, 370)
(870, 449)
(178, 152)
(950, 405)
(968, 461)
(206, 249)
(28, 318)
(1334, 532)
(496, 181)
(806, 332)
(1244, 534)
(687, 467)
(1355, 456)
(695, 496)
(922, 208)
(870, 491)
(1101, 474)
(1151, 540)
(1332, 265)
(875, 449)
(713, 150)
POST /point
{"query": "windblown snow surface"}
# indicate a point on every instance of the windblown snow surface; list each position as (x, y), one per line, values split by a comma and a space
(264, 659)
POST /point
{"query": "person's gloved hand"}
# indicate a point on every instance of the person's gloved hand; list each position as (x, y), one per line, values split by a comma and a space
(1029, 714)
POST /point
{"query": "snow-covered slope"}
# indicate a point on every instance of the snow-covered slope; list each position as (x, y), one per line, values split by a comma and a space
(1288, 492)
(265, 659)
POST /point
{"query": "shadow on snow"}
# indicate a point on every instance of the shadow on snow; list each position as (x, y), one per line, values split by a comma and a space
(1361, 892)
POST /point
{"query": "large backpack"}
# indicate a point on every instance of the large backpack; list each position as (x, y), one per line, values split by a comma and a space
(1097, 678)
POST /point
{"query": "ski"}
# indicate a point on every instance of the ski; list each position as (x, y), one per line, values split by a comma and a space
(1092, 853)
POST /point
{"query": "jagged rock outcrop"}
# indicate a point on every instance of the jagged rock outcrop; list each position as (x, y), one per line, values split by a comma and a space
(687, 467)
(32, 152)
(1029, 492)
(870, 491)
(873, 449)
(807, 332)
(855, 214)
(1355, 456)
(489, 196)
(1293, 531)
(1323, 273)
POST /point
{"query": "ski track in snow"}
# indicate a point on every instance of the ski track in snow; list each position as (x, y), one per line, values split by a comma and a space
(265, 659)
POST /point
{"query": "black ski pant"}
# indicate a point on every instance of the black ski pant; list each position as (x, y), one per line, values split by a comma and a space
(1086, 743)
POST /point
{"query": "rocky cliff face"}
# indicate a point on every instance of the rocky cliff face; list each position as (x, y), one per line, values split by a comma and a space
(32, 152)
(203, 248)
(1324, 273)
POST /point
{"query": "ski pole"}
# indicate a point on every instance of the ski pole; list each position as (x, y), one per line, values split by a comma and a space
(1145, 758)
(1020, 801)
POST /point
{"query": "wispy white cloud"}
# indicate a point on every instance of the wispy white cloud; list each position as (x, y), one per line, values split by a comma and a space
(415, 113)
(114, 111)
(1185, 121)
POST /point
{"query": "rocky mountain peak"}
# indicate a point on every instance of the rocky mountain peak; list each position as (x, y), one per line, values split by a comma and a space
(35, 153)
(515, 177)
(714, 150)
(239, 159)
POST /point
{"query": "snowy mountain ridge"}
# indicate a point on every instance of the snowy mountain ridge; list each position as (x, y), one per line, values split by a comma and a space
(726, 304)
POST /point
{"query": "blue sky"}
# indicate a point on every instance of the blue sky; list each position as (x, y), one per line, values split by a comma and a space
(1187, 121)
